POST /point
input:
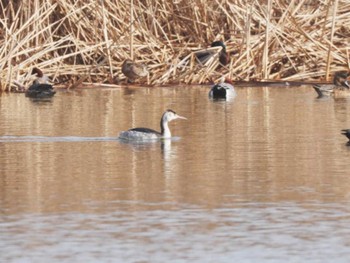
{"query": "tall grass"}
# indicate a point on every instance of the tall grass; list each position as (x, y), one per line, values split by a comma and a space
(86, 41)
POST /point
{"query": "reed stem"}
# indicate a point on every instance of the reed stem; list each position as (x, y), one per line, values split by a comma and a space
(132, 29)
(77, 42)
(329, 54)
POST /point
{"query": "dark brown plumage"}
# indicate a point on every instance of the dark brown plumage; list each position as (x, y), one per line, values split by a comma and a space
(204, 55)
(133, 70)
(346, 132)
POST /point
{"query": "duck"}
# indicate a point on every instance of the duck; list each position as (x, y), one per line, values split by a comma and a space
(339, 88)
(223, 90)
(223, 56)
(346, 132)
(133, 70)
(204, 55)
(40, 87)
(150, 134)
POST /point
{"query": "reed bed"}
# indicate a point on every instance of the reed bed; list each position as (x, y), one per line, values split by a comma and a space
(82, 42)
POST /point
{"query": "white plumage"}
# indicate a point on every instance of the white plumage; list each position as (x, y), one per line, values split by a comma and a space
(223, 91)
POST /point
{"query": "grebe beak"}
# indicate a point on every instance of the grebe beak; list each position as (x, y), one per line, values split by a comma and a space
(180, 117)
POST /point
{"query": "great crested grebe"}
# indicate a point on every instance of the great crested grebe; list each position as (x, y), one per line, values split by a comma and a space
(223, 90)
(149, 134)
(339, 88)
(133, 70)
(40, 87)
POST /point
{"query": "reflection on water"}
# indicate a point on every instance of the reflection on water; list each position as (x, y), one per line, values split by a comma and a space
(53, 139)
(166, 233)
(263, 178)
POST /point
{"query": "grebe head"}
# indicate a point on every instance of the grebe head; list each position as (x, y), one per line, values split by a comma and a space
(170, 115)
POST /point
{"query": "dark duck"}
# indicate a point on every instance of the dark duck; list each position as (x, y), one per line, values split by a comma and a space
(204, 55)
(346, 132)
(223, 90)
(40, 87)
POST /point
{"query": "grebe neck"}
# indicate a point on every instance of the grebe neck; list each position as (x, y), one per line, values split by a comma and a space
(164, 128)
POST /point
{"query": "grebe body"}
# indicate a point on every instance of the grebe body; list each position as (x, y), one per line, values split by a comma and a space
(223, 91)
(150, 134)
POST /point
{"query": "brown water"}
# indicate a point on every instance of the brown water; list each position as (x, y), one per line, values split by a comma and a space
(264, 178)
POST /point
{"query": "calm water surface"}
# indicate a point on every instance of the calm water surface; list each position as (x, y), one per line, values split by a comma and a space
(264, 178)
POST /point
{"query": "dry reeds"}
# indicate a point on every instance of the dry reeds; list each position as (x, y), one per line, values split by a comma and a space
(87, 41)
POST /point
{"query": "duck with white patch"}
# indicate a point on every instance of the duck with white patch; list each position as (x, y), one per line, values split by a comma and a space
(223, 90)
(40, 87)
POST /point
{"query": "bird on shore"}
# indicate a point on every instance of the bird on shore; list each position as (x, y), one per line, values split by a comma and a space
(346, 132)
(223, 90)
(133, 70)
(204, 55)
(40, 87)
(149, 134)
(339, 88)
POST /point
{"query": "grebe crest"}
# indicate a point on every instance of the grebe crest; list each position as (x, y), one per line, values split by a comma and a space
(150, 134)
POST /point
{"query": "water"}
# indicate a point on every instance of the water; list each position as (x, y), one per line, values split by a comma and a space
(264, 178)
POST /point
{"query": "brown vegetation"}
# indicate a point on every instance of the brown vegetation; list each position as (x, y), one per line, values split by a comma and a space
(87, 41)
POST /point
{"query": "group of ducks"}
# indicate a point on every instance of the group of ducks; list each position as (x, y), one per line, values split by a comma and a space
(132, 71)
(222, 91)
(225, 90)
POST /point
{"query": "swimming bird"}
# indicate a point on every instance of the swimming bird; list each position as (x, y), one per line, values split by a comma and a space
(346, 132)
(133, 70)
(149, 134)
(40, 87)
(223, 90)
(339, 88)
(204, 55)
